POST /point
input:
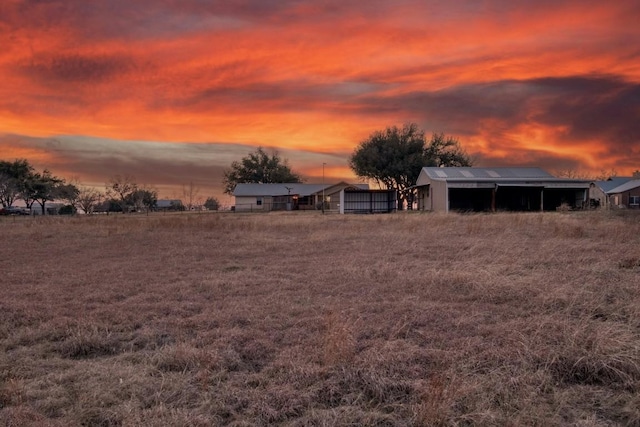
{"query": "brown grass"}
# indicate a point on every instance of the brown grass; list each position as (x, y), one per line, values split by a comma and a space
(318, 320)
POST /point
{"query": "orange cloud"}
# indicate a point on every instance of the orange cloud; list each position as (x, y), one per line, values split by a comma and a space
(557, 80)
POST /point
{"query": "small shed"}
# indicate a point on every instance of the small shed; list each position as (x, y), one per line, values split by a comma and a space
(497, 189)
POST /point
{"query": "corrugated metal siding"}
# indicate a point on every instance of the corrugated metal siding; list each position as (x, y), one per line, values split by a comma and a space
(439, 197)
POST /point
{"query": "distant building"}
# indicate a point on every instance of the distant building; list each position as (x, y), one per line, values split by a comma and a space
(251, 197)
(626, 195)
(169, 205)
(497, 189)
(51, 208)
(598, 196)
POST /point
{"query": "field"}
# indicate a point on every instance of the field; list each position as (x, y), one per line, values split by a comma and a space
(311, 320)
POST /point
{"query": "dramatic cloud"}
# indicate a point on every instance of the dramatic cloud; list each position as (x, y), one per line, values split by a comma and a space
(550, 84)
(166, 166)
(77, 68)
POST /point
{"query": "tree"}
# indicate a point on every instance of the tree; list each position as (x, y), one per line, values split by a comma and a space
(144, 198)
(67, 210)
(446, 152)
(13, 176)
(44, 187)
(636, 174)
(88, 199)
(605, 175)
(395, 156)
(120, 189)
(259, 167)
(212, 204)
(69, 193)
(190, 194)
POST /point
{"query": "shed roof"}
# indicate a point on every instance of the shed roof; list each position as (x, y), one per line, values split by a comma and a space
(490, 173)
(629, 185)
(502, 175)
(283, 189)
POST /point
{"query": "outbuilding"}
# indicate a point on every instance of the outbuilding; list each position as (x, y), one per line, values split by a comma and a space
(497, 189)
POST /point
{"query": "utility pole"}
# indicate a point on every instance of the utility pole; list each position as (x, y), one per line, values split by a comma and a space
(323, 187)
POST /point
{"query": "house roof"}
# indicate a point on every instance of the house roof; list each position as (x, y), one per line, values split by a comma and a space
(612, 183)
(168, 203)
(283, 189)
(629, 185)
(500, 176)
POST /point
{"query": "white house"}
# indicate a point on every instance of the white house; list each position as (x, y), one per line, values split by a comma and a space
(251, 197)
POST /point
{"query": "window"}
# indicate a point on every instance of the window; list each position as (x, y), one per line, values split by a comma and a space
(634, 200)
(259, 201)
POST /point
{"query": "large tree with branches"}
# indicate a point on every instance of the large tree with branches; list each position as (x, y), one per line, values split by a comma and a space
(13, 179)
(394, 157)
(259, 167)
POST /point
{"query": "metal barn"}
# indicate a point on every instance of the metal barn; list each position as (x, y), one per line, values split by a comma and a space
(466, 189)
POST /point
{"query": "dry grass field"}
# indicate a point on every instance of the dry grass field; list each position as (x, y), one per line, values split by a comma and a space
(311, 320)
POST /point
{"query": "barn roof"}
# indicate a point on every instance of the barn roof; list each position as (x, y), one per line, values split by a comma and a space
(489, 173)
(629, 185)
(499, 176)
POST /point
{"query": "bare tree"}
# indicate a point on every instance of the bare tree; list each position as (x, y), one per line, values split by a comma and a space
(605, 175)
(88, 199)
(120, 188)
(190, 195)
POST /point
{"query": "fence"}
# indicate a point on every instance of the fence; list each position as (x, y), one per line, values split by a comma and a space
(368, 201)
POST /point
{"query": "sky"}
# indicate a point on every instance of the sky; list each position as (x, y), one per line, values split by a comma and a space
(173, 91)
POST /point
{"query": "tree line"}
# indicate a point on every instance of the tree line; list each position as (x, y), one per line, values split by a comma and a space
(20, 181)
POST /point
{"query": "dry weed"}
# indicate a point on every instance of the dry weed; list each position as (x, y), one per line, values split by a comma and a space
(407, 319)
(436, 401)
(338, 346)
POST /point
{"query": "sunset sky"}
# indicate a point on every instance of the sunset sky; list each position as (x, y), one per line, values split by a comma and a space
(172, 91)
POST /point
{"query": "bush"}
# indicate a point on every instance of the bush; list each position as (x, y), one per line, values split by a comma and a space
(67, 210)
(212, 204)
